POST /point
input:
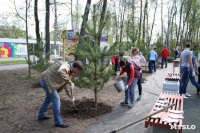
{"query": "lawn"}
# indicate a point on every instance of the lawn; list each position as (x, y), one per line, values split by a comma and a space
(12, 62)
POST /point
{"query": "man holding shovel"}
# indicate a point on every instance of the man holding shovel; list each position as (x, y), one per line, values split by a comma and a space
(54, 79)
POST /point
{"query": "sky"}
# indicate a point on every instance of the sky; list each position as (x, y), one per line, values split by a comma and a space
(8, 6)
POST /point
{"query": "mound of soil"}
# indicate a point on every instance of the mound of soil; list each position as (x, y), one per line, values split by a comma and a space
(36, 85)
(86, 109)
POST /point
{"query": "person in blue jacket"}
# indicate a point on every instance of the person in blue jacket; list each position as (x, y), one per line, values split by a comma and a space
(152, 56)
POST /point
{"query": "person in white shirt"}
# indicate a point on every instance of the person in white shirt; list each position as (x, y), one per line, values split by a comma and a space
(137, 57)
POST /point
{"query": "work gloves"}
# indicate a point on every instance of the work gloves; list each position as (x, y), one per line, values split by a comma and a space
(72, 99)
(126, 87)
(71, 87)
(118, 74)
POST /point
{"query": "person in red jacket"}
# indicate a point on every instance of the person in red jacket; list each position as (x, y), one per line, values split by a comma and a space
(130, 84)
(164, 54)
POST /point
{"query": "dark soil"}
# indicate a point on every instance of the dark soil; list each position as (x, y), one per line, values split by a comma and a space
(86, 109)
(36, 85)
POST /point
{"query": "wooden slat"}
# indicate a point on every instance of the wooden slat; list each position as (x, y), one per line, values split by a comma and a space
(181, 108)
(172, 98)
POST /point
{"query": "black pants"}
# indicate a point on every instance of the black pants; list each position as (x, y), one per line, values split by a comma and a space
(139, 83)
(116, 65)
(199, 75)
(164, 59)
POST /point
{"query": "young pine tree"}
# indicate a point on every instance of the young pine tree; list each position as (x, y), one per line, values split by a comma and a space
(98, 71)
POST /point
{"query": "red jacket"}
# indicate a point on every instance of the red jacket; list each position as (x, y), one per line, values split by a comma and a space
(130, 74)
(164, 53)
(113, 60)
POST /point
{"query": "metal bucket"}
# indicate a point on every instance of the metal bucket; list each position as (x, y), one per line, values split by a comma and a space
(119, 86)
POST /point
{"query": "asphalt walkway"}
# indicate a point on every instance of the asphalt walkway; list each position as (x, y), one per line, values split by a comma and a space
(121, 115)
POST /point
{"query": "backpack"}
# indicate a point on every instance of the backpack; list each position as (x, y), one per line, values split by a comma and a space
(137, 69)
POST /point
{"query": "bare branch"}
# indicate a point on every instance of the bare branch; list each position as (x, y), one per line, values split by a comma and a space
(17, 12)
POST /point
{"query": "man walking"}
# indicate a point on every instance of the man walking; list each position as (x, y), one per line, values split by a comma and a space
(164, 54)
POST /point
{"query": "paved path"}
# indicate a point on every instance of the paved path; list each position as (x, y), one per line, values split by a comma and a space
(121, 116)
(15, 66)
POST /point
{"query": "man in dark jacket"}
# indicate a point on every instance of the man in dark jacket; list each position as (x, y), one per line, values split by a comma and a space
(164, 54)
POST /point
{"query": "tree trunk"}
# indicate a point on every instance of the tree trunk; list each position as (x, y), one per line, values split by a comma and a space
(170, 15)
(122, 25)
(77, 20)
(102, 18)
(162, 21)
(116, 24)
(47, 29)
(95, 89)
(55, 25)
(29, 69)
(180, 19)
(37, 26)
(153, 21)
(86, 14)
(140, 23)
(72, 14)
(144, 22)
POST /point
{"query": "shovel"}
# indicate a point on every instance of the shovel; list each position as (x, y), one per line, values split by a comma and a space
(75, 109)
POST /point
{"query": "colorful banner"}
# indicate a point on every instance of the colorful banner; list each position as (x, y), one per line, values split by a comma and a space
(13, 50)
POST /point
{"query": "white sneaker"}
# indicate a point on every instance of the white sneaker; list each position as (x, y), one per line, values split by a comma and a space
(187, 95)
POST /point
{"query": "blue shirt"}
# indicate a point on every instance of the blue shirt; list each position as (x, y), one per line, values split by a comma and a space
(153, 55)
(193, 59)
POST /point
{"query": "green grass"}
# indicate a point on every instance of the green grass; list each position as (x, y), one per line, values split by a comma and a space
(12, 62)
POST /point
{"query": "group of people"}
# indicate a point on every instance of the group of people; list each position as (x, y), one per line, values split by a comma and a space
(58, 77)
(152, 57)
(134, 76)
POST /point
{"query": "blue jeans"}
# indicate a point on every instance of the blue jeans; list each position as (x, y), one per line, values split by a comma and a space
(184, 79)
(55, 99)
(152, 64)
(131, 89)
(193, 81)
(139, 83)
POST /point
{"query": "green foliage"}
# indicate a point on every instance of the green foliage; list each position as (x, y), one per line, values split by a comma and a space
(99, 70)
(12, 62)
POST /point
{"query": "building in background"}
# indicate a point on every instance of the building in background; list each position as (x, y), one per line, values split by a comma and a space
(18, 47)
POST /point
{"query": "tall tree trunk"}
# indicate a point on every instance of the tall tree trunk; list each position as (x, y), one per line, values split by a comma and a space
(72, 14)
(144, 22)
(162, 21)
(77, 10)
(28, 52)
(86, 13)
(188, 9)
(116, 24)
(55, 24)
(153, 22)
(140, 23)
(103, 12)
(37, 26)
(122, 25)
(47, 36)
(170, 15)
(180, 19)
